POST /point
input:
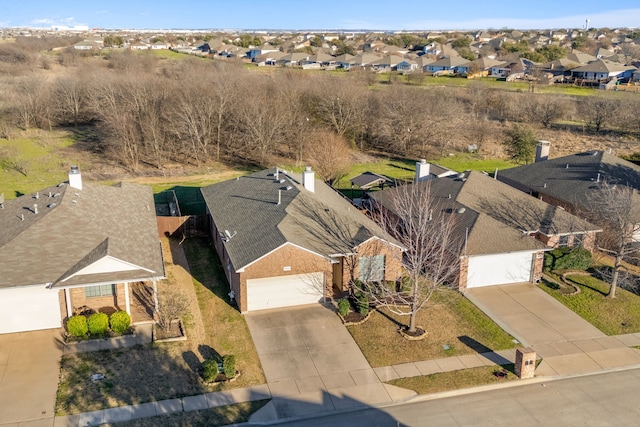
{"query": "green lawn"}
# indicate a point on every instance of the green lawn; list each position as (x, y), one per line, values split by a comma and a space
(454, 327)
(455, 380)
(225, 328)
(33, 160)
(612, 316)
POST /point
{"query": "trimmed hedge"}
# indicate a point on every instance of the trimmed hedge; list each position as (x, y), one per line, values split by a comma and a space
(120, 322)
(229, 365)
(210, 370)
(344, 306)
(77, 326)
(98, 324)
(565, 258)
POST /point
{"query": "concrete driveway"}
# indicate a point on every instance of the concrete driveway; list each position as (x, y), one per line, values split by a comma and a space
(29, 369)
(530, 314)
(567, 343)
(311, 362)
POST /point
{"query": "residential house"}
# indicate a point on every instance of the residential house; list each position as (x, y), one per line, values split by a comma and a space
(138, 46)
(77, 246)
(87, 45)
(159, 45)
(569, 181)
(478, 67)
(602, 69)
(580, 57)
(501, 234)
(389, 63)
(288, 239)
(451, 63)
(408, 66)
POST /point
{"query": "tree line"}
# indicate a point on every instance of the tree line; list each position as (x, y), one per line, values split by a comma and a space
(148, 112)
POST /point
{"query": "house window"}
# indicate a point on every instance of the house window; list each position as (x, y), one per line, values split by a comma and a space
(578, 239)
(100, 291)
(563, 241)
(371, 268)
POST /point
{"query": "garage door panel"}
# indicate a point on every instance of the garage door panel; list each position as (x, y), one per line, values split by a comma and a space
(284, 291)
(499, 269)
(29, 309)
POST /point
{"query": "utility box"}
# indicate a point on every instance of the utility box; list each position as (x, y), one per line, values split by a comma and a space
(525, 366)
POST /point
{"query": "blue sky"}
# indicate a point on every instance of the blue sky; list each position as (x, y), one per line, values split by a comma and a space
(325, 14)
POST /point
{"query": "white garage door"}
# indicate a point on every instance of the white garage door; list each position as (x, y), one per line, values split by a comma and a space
(29, 309)
(487, 270)
(284, 291)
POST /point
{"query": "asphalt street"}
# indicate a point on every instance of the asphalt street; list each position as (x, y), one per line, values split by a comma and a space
(607, 399)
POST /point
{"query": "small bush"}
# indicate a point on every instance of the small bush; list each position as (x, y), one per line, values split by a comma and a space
(363, 304)
(98, 324)
(566, 258)
(229, 365)
(120, 322)
(77, 326)
(210, 370)
(344, 306)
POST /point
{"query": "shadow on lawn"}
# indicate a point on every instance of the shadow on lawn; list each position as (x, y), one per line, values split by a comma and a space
(203, 263)
(135, 375)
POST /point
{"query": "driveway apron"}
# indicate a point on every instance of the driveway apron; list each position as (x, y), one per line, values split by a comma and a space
(29, 369)
(311, 362)
(567, 343)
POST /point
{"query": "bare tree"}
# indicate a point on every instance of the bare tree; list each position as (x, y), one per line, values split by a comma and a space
(426, 229)
(616, 208)
(598, 110)
(329, 155)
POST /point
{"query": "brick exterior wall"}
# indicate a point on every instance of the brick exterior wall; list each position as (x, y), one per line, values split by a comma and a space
(102, 304)
(463, 276)
(538, 264)
(298, 260)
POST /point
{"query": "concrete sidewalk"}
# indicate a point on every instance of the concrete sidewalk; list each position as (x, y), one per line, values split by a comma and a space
(615, 357)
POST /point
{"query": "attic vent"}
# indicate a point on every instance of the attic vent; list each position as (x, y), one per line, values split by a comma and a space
(288, 187)
(52, 205)
(460, 210)
(567, 167)
(282, 181)
(56, 195)
(37, 195)
(461, 175)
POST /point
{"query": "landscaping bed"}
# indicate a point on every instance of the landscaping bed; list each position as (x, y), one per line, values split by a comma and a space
(159, 371)
(454, 326)
(612, 316)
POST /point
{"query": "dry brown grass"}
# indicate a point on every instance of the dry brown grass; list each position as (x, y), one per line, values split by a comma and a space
(167, 370)
(455, 380)
(451, 320)
(221, 416)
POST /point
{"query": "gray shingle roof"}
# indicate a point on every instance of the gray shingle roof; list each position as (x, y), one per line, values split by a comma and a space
(572, 178)
(322, 222)
(497, 218)
(75, 228)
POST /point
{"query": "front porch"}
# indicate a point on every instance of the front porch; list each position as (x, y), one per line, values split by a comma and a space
(139, 299)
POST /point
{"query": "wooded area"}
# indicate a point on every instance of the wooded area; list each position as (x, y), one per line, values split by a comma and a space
(146, 111)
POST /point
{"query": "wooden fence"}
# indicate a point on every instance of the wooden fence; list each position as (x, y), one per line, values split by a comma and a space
(183, 226)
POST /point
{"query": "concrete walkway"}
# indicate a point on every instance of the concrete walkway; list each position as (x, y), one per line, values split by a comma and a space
(567, 343)
(312, 364)
(29, 367)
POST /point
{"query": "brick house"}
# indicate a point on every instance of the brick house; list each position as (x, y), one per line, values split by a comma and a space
(286, 239)
(503, 233)
(77, 246)
(569, 181)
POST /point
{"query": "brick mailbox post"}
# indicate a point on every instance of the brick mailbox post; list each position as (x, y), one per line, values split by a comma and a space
(525, 366)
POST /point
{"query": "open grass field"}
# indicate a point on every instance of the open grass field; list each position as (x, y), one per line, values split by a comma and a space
(451, 320)
(33, 160)
(612, 316)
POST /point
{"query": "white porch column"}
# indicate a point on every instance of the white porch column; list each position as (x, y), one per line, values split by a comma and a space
(127, 303)
(155, 295)
(67, 299)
